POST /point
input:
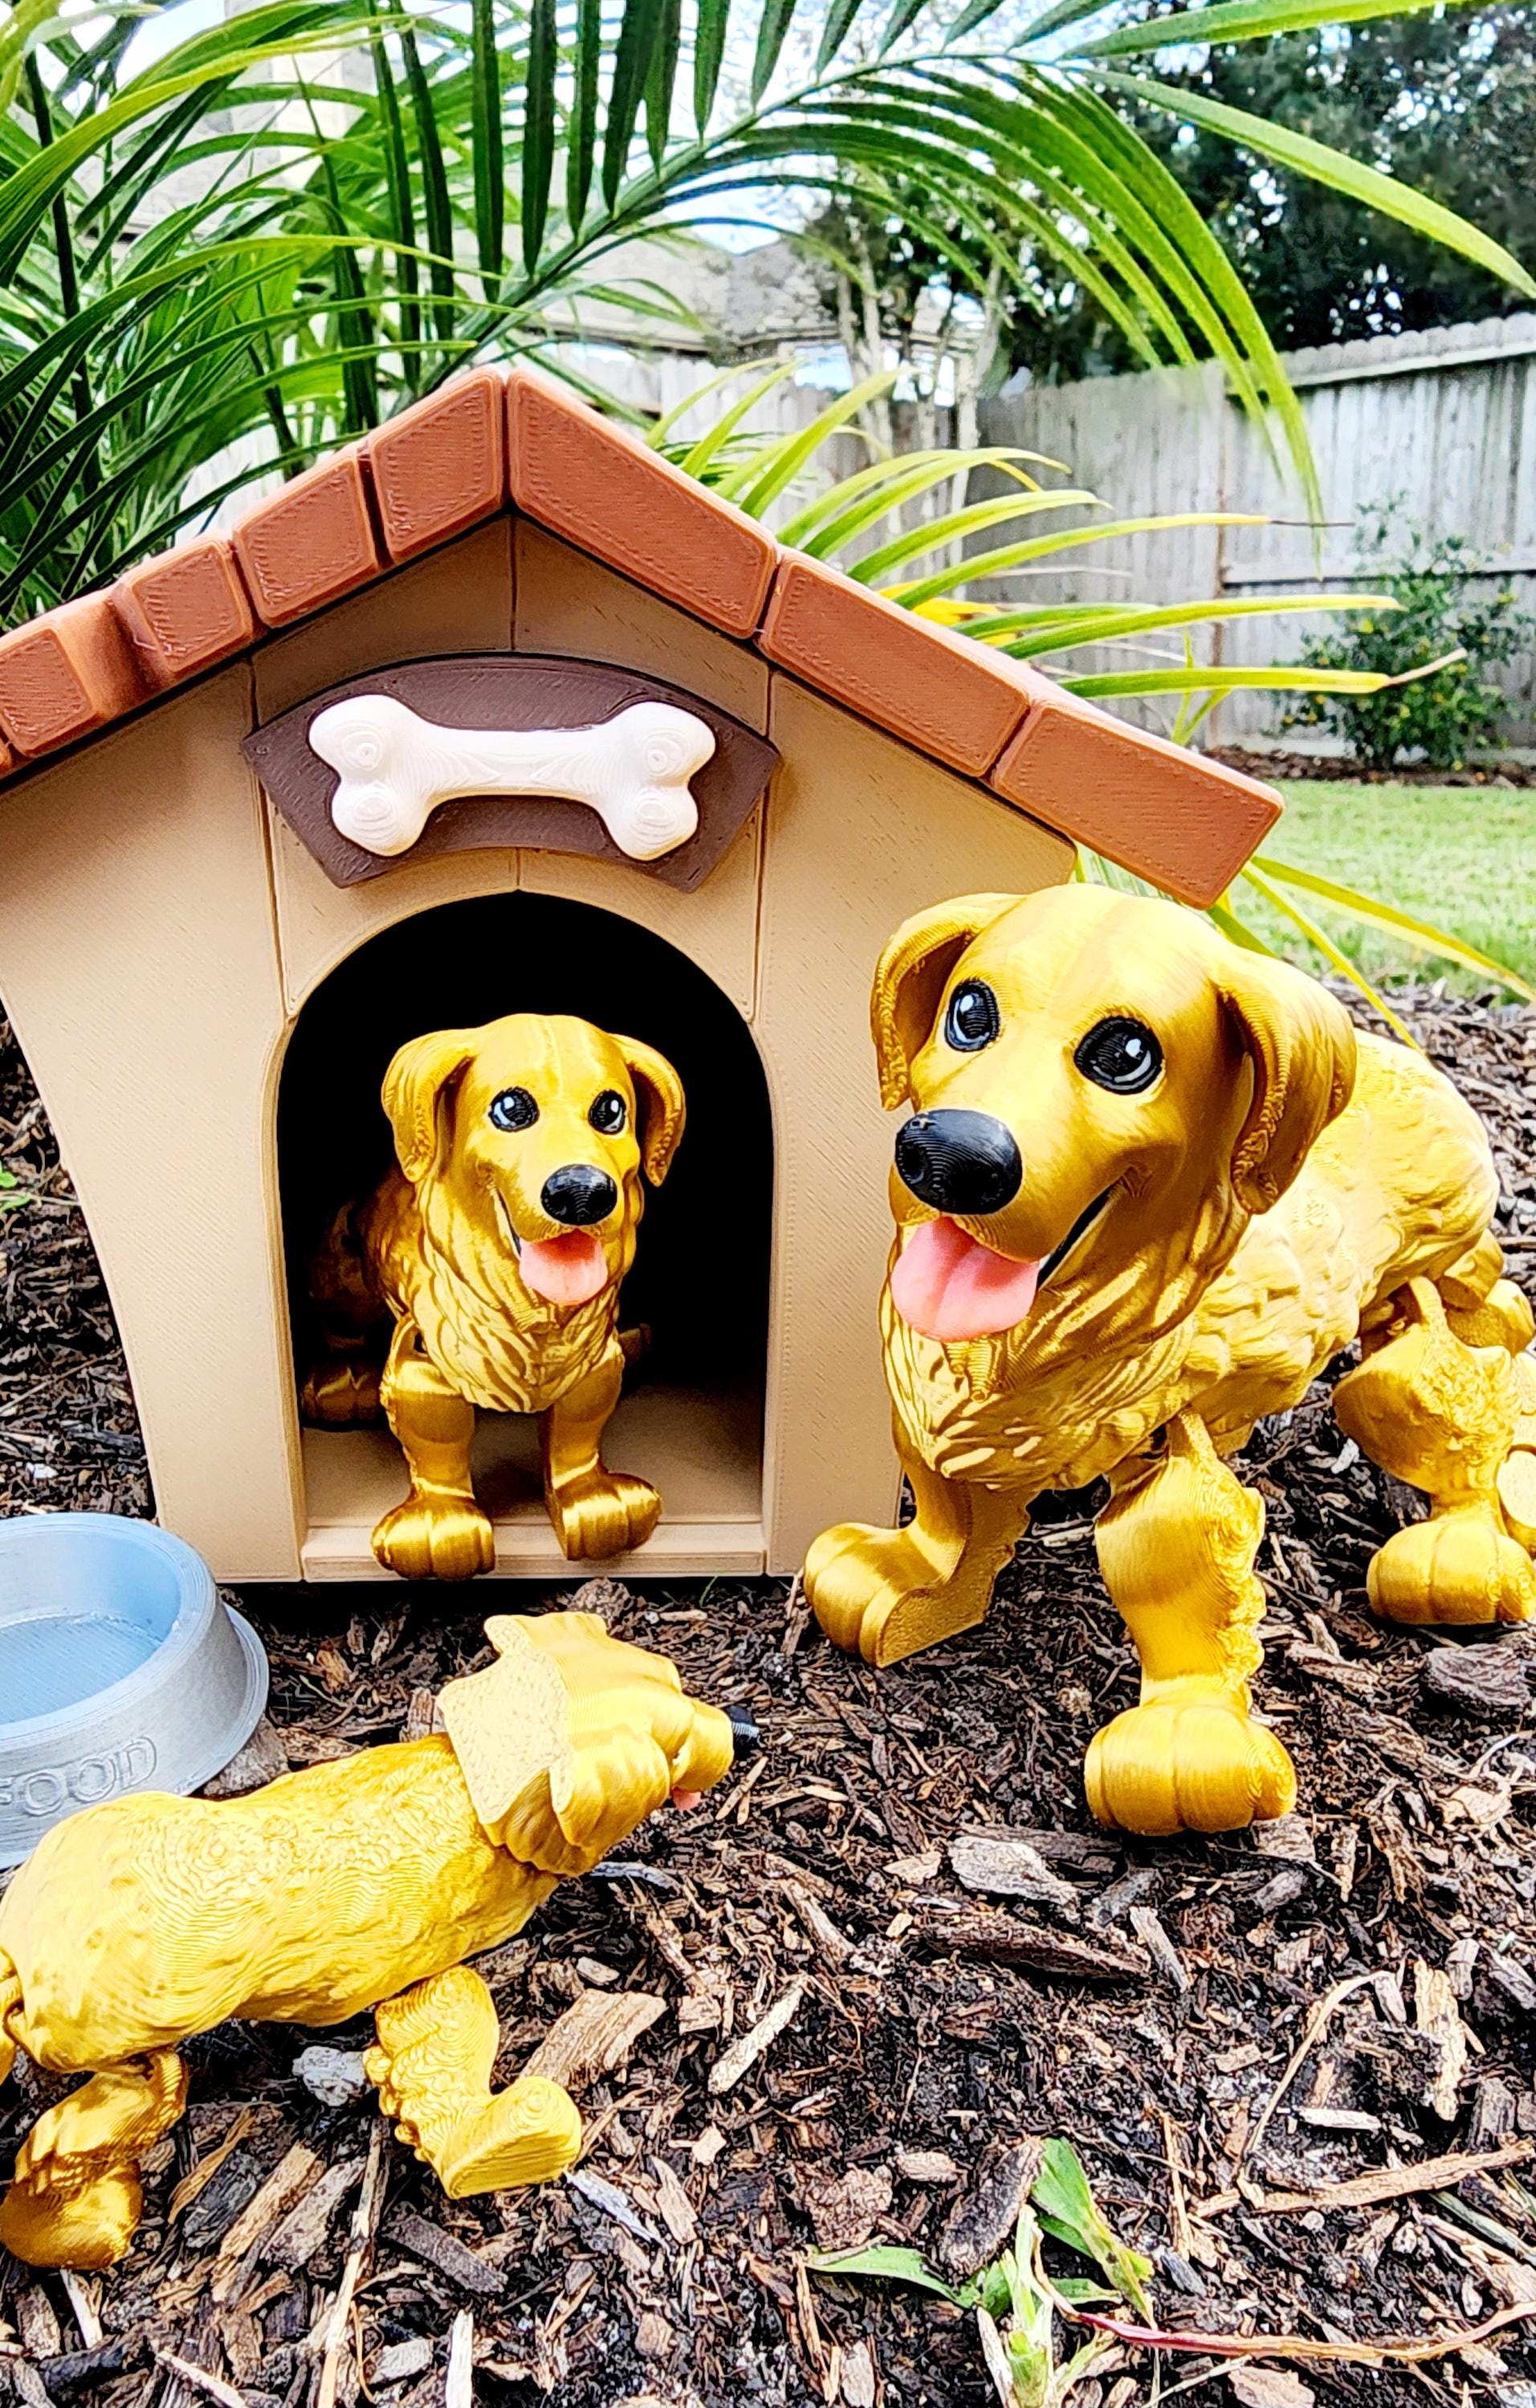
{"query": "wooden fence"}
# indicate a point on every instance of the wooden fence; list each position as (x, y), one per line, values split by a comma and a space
(1441, 426)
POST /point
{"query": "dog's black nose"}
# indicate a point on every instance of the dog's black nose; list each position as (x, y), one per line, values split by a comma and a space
(746, 1738)
(959, 1162)
(578, 1194)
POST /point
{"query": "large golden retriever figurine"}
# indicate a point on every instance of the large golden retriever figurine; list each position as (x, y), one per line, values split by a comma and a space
(1151, 1183)
(498, 1244)
(359, 1882)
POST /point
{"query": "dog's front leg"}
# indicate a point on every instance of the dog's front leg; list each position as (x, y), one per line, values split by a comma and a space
(595, 1512)
(889, 1593)
(1176, 1546)
(439, 1532)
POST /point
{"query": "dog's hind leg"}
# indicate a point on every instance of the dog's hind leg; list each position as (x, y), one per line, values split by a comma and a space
(1456, 1419)
(888, 1593)
(341, 1391)
(432, 2066)
(595, 1512)
(74, 2197)
(1176, 1546)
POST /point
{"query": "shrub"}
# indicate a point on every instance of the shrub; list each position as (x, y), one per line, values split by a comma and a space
(1445, 605)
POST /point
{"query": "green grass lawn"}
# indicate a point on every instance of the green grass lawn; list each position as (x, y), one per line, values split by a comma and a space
(1461, 857)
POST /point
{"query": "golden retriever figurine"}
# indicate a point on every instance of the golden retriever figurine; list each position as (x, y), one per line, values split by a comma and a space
(1151, 1185)
(499, 1245)
(363, 1882)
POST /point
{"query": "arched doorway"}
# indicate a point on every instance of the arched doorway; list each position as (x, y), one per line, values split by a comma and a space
(692, 1419)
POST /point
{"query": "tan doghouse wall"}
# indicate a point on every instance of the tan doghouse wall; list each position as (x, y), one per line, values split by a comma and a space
(160, 930)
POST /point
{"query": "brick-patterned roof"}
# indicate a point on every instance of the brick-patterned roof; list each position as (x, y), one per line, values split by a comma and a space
(494, 440)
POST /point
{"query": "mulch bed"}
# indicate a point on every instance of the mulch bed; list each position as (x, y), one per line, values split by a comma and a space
(930, 2023)
(1298, 766)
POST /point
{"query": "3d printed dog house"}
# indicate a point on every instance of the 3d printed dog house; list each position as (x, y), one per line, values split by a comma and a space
(165, 925)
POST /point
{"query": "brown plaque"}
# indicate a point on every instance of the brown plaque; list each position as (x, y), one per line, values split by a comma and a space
(512, 691)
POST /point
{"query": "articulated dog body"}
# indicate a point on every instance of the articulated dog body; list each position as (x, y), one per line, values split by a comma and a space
(1150, 1185)
(497, 1246)
(362, 1883)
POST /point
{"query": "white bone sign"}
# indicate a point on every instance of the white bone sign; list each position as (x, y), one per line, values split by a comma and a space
(395, 767)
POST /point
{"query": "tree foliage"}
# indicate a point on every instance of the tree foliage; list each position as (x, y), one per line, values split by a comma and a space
(289, 225)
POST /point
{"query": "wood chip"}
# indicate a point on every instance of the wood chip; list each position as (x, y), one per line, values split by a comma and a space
(459, 2384)
(331, 2332)
(926, 2166)
(1487, 1680)
(193, 2184)
(294, 2172)
(593, 2036)
(198, 2378)
(1008, 1940)
(454, 2261)
(1004, 1864)
(845, 2208)
(983, 2218)
(1269, 2386)
(834, 1945)
(80, 2292)
(858, 2377)
(1148, 1928)
(677, 2208)
(1393, 2182)
(607, 2197)
(743, 2054)
(303, 2231)
(1436, 2017)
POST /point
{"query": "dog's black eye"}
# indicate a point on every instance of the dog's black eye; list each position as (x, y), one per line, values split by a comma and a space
(972, 1019)
(514, 1108)
(608, 1113)
(1120, 1054)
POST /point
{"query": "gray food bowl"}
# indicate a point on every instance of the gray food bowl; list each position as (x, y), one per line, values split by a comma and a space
(121, 1668)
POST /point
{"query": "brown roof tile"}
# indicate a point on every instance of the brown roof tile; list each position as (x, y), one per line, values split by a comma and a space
(944, 693)
(1173, 816)
(68, 674)
(185, 610)
(588, 480)
(441, 465)
(311, 543)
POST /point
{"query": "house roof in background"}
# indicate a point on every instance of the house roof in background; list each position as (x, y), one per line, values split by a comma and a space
(494, 440)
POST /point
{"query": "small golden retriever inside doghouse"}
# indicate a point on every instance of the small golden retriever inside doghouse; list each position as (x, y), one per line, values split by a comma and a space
(368, 1089)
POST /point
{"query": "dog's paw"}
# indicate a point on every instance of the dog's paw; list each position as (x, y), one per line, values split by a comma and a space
(1455, 1567)
(527, 2133)
(604, 1514)
(341, 1395)
(436, 1538)
(873, 1592)
(1195, 1765)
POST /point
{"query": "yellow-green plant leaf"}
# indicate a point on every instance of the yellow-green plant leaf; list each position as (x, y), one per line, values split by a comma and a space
(1422, 934)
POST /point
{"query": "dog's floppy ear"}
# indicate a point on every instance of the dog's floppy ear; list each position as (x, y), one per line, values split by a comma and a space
(414, 1087)
(910, 980)
(663, 1111)
(1302, 1045)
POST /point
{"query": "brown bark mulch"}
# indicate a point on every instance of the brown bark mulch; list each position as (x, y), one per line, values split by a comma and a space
(1146, 2000)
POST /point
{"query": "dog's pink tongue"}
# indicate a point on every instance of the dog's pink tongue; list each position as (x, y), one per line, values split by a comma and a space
(566, 1269)
(950, 1286)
